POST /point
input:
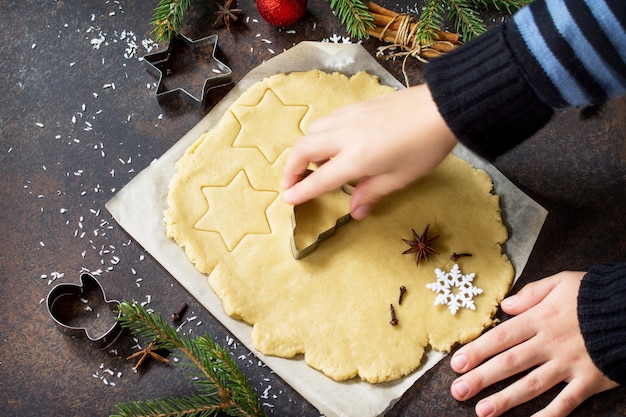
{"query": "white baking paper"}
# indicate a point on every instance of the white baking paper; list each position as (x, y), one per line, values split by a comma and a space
(139, 208)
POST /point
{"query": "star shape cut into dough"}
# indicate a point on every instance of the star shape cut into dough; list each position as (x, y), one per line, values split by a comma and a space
(262, 134)
(325, 310)
(454, 289)
(225, 203)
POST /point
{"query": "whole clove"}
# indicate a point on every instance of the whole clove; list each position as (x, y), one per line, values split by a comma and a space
(402, 292)
(394, 320)
(456, 256)
(179, 313)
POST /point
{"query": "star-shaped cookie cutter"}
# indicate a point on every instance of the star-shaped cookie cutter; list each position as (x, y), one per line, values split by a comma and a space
(156, 64)
(301, 252)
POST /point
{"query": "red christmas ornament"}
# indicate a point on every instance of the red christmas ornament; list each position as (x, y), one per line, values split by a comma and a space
(281, 12)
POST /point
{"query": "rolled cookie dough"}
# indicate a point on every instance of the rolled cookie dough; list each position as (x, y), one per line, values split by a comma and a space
(333, 306)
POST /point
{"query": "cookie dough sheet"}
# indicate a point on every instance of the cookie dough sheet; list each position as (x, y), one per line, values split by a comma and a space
(139, 208)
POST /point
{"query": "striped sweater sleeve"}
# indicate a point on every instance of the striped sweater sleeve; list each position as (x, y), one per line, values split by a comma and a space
(497, 90)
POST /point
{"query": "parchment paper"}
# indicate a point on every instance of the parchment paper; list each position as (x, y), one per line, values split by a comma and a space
(139, 207)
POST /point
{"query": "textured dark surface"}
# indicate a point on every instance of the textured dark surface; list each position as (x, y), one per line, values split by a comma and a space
(79, 119)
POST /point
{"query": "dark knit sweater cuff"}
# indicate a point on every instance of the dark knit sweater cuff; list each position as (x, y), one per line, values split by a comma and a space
(602, 318)
(483, 96)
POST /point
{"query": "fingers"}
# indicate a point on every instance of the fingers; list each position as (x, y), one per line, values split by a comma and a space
(504, 365)
(305, 150)
(567, 400)
(372, 139)
(511, 333)
(508, 334)
(530, 295)
(535, 383)
(320, 145)
(575, 392)
(329, 176)
(370, 190)
(543, 337)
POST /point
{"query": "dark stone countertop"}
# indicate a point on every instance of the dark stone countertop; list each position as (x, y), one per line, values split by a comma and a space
(79, 119)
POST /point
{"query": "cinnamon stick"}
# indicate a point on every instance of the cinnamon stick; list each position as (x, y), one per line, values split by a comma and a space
(375, 8)
(383, 17)
(390, 37)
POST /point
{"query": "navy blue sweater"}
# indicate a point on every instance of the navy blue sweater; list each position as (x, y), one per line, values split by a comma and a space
(497, 90)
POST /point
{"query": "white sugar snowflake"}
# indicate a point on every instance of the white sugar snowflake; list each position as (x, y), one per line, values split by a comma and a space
(337, 39)
(454, 289)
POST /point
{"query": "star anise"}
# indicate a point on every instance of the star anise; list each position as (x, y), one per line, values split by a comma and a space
(144, 353)
(226, 14)
(421, 246)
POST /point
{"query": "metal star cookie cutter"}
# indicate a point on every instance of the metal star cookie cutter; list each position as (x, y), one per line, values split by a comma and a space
(299, 253)
(83, 310)
(157, 65)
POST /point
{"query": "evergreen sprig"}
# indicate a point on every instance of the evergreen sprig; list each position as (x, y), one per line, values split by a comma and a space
(223, 387)
(464, 16)
(466, 20)
(430, 21)
(353, 14)
(508, 6)
(167, 18)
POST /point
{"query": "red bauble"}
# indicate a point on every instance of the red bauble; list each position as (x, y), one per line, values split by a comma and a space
(281, 12)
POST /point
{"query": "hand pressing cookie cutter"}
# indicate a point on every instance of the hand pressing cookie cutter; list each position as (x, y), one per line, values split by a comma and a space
(156, 65)
(299, 253)
(84, 311)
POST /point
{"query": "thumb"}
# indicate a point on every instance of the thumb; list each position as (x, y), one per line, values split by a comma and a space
(367, 193)
(529, 296)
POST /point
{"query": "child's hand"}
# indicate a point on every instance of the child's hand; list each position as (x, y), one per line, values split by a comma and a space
(386, 143)
(545, 336)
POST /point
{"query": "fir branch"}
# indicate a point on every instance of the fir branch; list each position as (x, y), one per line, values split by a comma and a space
(430, 20)
(353, 14)
(466, 19)
(508, 6)
(224, 387)
(167, 18)
(195, 405)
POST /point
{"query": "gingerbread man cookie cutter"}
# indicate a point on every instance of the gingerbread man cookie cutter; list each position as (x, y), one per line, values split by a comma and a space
(83, 311)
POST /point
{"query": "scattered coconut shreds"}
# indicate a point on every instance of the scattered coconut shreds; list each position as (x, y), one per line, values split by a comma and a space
(108, 376)
(82, 123)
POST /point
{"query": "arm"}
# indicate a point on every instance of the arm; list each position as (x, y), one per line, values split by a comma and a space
(501, 88)
(566, 328)
(491, 94)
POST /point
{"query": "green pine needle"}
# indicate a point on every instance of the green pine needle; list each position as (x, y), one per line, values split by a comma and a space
(464, 15)
(189, 406)
(508, 6)
(224, 388)
(430, 20)
(353, 14)
(167, 18)
(466, 19)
